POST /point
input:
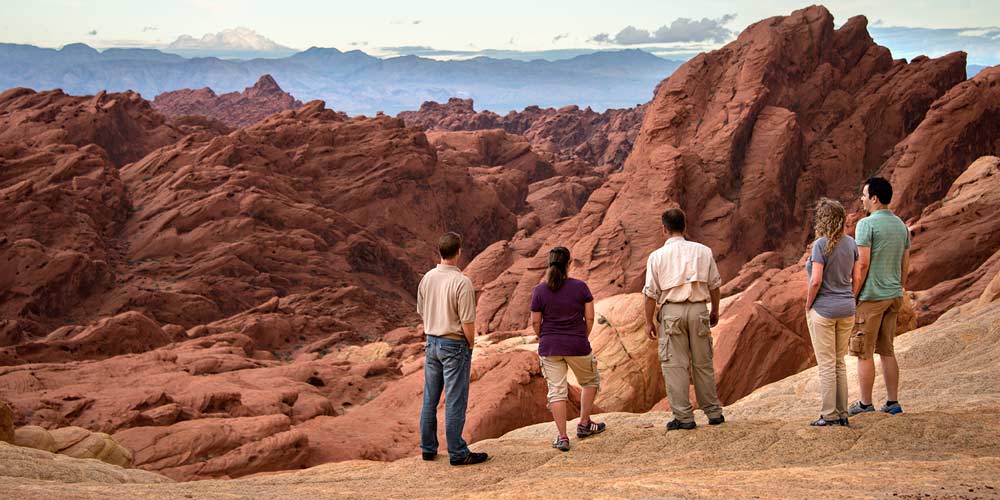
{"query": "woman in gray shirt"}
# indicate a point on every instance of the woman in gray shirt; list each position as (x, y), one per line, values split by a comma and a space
(830, 307)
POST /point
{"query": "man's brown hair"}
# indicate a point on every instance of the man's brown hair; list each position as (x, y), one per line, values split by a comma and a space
(674, 220)
(449, 245)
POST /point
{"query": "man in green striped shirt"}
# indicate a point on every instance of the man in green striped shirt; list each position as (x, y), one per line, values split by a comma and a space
(879, 276)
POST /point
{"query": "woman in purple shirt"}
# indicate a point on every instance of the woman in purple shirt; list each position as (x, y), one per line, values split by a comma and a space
(562, 314)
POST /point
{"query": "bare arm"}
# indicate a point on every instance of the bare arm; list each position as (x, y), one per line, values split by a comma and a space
(906, 268)
(650, 310)
(713, 317)
(861, 269)
(536, 323)
(470, 333)
(812, 286)
(588, 314)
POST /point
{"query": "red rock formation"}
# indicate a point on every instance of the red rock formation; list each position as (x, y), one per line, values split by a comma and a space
(123, 124)
(567, 132)
(252, 275)
(236, 109)
(456, 114)
(961, 126)
(955, 242)
(6, 423)
(218, 447)
(745, 138)
(62, 207)
(128, 332)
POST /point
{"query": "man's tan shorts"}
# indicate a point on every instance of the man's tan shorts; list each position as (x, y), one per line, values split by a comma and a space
(555, 369)
(875, 328)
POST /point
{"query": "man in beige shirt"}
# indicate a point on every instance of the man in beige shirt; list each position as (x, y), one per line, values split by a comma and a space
(446, 300)
(681, 278)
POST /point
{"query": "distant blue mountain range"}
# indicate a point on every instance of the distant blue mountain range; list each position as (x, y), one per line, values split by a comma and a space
(353, 81)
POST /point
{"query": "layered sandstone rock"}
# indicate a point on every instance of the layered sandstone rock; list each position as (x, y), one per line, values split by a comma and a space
(34, 466)
(6, 423)
(961, 126)
(75, 442)
(631, 379)
(956, 242)
(33, 436)
(62, 206)
(130, 332)
(228, 278)
(236, 109)
(567, 132)
(123, 124)
(745, 139)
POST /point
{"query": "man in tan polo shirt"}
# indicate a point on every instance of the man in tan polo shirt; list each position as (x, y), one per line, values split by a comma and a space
(681, 278)
(446, 300)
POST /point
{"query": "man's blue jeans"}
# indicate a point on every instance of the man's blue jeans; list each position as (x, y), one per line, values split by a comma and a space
(446, 367)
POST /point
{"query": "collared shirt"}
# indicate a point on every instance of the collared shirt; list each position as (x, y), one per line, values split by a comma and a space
(888, 238)
(445, 300)
(681, 271)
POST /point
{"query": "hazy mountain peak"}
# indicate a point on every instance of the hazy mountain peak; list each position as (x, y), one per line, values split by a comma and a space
(231, 39)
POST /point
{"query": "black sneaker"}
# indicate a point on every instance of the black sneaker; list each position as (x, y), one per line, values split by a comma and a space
(843, 422)
(822, 422)
(677, 424)
(471, 459)
(429, 456)
(716, 420)
(589, 429)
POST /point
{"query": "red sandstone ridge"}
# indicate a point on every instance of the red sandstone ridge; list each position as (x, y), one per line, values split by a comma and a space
(567, 132)
(123, 124)
(745, 138)
(961, 126)
(243, 284)
(236, 109)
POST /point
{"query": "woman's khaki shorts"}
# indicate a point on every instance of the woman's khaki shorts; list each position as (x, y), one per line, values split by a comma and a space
(555, 368)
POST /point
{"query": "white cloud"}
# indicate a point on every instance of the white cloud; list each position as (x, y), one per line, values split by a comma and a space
(982, 44)
(681, 29)
(231, 39)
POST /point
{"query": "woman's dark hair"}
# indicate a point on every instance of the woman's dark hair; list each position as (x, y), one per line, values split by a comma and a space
(558, 262)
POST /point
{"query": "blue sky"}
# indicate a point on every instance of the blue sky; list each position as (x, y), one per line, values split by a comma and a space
(908, 27)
